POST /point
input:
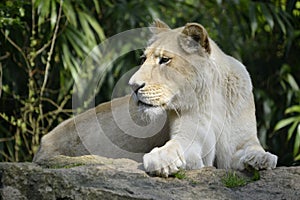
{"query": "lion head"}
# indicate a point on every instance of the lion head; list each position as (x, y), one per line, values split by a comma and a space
(176, 68)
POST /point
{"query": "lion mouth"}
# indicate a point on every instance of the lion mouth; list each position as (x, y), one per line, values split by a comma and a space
(141, 103)
(149, 105)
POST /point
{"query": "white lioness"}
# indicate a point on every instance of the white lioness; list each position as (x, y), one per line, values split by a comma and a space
(206, 95)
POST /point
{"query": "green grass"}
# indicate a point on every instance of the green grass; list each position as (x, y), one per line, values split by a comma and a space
(180, 174)
(256, 175)
(232, 180)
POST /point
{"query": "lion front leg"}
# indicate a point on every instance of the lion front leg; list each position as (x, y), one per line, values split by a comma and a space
(175, 155)
(255, 157)
(191, 147)
(165, 160)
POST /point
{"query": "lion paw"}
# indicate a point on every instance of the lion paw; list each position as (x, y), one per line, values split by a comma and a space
(165, 160)
(260, 160)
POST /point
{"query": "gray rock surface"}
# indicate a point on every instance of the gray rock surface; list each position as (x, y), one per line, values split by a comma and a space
(91, 177)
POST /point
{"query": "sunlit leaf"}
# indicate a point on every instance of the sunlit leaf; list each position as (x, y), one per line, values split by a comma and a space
(267, 15)
(297, 142)
(97, 6)
(96, 26)
(68, 64)
(89, 34)
(281, 24)
(66, 85)
(69, 60)
(291, 130)
(22, 12)
(43, 9)
(253, 20)
(78, 43)
(70, 13)
(284, 122)
(53, 16)
(293, 109)
(292, 82)
(297, 158)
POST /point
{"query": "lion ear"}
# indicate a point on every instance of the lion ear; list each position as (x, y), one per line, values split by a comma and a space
(159, 26)
(194, 34)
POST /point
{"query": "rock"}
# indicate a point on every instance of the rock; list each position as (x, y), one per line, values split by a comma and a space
(94, 177)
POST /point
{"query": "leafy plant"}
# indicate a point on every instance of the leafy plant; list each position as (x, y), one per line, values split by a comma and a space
(44, 43)
(292, 123)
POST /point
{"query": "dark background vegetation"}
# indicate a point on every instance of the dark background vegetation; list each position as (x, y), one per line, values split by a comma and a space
(42, 44)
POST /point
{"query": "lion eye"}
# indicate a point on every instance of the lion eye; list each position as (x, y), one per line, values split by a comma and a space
(164, 60)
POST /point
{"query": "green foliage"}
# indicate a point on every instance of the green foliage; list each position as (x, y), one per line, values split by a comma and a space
(41, 41)
(180, 174)
(43, 44)
(232, 180)
(256, 175)
(293, 124)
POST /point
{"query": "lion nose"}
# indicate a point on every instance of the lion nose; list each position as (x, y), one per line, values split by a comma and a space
(136, 86)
